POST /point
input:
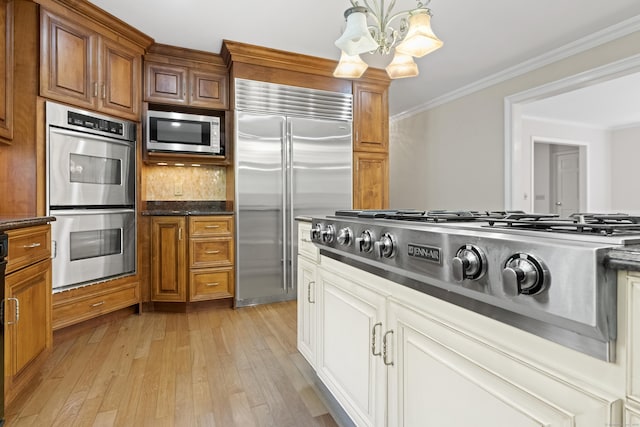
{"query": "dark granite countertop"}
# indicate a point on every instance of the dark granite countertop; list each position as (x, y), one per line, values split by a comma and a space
(624, 258)
(21, 221)
(193, 208)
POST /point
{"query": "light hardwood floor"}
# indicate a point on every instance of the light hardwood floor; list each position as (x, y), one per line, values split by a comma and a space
(220, 367)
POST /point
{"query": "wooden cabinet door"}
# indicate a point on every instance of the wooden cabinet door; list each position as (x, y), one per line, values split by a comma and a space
(370, 117)
(208, 90)
(307, 310)
(370, 180)
(121, 70)
(68, 70)
(442, 376)
(165, 83)
(27, 316)
(349, 323)
(168, 259)
(6, 71)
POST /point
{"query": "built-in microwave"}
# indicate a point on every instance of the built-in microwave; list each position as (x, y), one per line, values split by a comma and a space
(167, 131)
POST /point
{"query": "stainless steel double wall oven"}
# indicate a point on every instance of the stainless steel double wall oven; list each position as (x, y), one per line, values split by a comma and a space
(91, 192)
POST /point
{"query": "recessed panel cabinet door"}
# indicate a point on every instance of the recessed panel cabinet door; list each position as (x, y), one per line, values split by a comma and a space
(6, 71)
(371, 117)
(441, 376)
(349, 324)
(165, 83)
(370, 180)
(168, 259)
(67, 70)
(208, 90)
(120, 88)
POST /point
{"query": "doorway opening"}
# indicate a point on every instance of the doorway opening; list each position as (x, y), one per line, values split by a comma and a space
(559, 177)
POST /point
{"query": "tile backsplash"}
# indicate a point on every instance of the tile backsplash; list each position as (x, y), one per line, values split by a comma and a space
(184, 183)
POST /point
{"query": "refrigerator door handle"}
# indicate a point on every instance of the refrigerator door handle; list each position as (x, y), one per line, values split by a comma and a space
(285, 187)
(290, 168)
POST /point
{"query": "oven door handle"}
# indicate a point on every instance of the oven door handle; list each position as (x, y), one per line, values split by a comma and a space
(78, 212)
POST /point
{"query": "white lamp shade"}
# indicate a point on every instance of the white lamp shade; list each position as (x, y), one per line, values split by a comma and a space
(356, 38)
(420, 38)
(402, 66)
(350, 67)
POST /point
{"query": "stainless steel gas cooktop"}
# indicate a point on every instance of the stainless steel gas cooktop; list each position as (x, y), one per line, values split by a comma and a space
(540, 273)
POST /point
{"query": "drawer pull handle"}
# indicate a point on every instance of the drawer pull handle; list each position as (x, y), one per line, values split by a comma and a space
(97, 304)
(211, 226)
(32, 245)
(212, 252)
(213, 284)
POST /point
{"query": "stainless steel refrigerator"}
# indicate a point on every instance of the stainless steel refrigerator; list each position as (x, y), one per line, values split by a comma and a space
(293, 157)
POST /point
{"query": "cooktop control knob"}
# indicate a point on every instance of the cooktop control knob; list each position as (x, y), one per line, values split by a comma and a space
(524, 274)
(345, 236)
(469, 263)
(328, 233)
(364, 243)
(315, 231)
(385, 247)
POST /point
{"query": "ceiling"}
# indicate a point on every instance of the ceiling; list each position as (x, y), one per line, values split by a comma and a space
(480, 38)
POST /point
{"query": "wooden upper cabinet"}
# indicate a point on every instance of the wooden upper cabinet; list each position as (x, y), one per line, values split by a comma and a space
(370, 180)
(120, 85)
(6, 72)
(208, 89)
(371, 117)
(165, 83)
(80, 66)
(187, 77)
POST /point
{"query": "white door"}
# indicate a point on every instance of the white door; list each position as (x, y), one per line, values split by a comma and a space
(349, 323)
(567, 184)
(442, 376)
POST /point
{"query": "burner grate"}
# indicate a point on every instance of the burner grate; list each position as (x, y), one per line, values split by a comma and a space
(587, 223)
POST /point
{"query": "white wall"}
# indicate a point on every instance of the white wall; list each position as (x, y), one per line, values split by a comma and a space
(625, 170)
(542, 181)
(452, 156)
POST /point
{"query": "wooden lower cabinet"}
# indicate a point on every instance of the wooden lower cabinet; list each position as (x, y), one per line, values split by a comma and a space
(27, 307)
(191, 259)
(80, 304)
(168, 259)
(370, 180)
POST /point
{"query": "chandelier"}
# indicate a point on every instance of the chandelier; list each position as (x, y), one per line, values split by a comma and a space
(369, 29)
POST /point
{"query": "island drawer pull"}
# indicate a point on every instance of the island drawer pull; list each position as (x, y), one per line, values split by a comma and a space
(97, 304)
(32, 245)
(212, 252)
(211, 226)
(213, 284)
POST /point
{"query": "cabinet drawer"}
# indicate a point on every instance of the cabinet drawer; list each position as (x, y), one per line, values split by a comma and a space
(211, 283)
(80, 309)
(210, 226)
(210, 252)
(28, 246)
(306, 247)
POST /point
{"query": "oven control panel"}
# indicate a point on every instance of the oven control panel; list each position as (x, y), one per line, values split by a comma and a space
(90, 122)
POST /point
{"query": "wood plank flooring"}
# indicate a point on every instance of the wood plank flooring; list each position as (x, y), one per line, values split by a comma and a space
(220, 367)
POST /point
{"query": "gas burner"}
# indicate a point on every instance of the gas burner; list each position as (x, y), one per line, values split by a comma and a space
(587, 223)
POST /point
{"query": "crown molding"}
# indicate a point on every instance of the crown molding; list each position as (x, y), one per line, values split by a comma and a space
(598, 38)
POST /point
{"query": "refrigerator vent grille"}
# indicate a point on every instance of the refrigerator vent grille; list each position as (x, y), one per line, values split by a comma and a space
(290, 100)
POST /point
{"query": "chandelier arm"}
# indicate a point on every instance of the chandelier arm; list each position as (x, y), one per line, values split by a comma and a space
(376, 12)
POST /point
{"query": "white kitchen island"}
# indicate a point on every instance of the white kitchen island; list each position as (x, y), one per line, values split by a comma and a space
(392, 356)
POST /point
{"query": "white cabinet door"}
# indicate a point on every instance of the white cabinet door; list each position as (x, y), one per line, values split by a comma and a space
(349, 314)
(441, 376)
(633, 334)
(307, 310)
